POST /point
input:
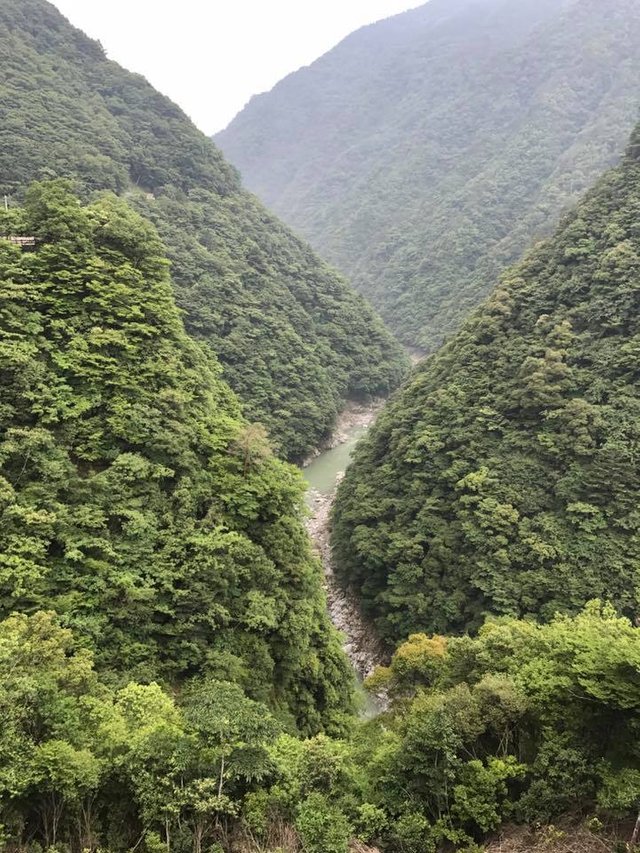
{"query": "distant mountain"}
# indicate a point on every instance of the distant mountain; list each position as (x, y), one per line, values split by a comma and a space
(505, 477)
(427, 151)
(293, 338)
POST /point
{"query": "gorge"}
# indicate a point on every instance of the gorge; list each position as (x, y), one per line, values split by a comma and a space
(271, 581)
(323, 474)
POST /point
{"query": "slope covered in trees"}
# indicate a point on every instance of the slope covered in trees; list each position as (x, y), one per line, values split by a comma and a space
(426, 152)
(138, 506)
(292, 337)
(521, 723)
(504, 477)
(135, 501)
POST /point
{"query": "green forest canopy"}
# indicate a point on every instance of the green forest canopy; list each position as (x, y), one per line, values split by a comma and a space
(504, 477)
(135, 501)
(426, 152)
(143, 513)
(292, 337)
(169, 678)
(523, 722)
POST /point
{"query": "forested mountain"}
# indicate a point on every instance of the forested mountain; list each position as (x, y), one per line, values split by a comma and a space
(147, 532)
(136, 502)
(293, 338)
(170, 681)
(504, 477)
(426, 152)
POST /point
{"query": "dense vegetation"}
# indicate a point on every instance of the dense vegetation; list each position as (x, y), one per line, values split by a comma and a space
(424, 153)
(169, 678)
(164, 645)
(292, 338)
(504, 477)
(135, 501)
(520, 723)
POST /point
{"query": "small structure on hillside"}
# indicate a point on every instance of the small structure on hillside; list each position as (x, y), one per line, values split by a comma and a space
(24, 242)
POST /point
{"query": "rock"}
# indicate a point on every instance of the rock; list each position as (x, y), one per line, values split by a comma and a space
(361, 644)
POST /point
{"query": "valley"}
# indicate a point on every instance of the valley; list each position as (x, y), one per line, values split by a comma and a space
(426, 152)
(322, 475)
(280, 573)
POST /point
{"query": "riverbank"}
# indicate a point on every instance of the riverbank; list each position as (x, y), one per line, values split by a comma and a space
(323, 474)
(354, 418)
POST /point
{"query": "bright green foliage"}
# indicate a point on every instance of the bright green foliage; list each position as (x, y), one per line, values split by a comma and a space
(233, 730)
(83, 765)
(504, 478)
(427, 151)
(524, 721)
(319, 787)
(48, 693)
(292, 338)
(129, 501)
(323, 828)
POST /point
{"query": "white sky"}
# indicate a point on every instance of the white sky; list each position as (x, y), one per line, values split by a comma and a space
(210, 56)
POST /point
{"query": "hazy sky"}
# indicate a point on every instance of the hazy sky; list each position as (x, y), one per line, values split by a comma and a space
(210, 56)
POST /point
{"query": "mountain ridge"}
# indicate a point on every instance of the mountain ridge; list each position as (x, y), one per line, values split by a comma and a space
(423, 160)
(294, 339)
(500, 480)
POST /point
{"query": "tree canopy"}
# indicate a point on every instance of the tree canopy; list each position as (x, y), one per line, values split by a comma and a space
(170, 681)
(293, 339)
(129, 502)
(426, 152)
(504, 477)
(521, 722)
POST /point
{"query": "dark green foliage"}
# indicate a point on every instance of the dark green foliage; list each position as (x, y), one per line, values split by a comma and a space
(504, 478)
(293, 339)
(134, 499)
(425, 152)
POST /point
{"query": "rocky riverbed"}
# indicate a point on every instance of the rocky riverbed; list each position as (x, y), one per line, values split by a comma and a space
(361, 645)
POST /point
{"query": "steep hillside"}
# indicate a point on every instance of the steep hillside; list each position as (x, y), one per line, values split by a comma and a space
(504, 477)
(292, 337)
(134, 500)
(426, 152)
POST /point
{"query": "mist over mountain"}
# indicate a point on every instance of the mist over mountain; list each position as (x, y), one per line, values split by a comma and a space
(427, 151)
(184, 625)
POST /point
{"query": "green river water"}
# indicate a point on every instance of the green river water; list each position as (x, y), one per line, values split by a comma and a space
(321, 474)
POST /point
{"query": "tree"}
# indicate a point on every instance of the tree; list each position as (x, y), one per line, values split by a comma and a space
(127, 505)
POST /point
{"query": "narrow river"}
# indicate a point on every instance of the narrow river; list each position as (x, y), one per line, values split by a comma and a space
(323, 475)
(323, 472)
